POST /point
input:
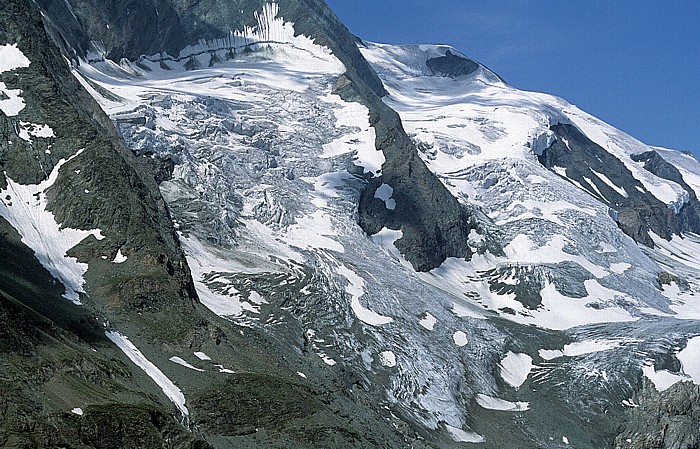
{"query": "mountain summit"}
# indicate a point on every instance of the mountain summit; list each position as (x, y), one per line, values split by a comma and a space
(234, 224)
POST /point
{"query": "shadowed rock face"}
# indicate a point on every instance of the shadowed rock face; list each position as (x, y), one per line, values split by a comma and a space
(688, 216)
(637, 213)
(452, 65)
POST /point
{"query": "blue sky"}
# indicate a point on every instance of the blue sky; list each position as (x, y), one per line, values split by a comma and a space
(634, 64)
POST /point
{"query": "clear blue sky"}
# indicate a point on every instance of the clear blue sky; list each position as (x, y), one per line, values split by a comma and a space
(633, 64)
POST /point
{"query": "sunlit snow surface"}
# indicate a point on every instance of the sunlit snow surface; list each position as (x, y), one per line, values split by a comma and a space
(11, 58)
(264, 195)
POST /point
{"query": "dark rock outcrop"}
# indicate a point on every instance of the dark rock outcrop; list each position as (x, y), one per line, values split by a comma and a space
(637, 211)
(452, 65)
(667, 419)
(689, 214)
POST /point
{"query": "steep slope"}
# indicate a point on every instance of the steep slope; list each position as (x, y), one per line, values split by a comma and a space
(359, 286)
(101, 322)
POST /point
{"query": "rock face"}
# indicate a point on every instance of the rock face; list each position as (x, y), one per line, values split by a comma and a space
(663, 420)
(637, 210)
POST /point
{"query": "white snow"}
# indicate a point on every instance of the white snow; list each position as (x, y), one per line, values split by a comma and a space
(352, 115)
(184, 363)
(620, 267)
(515, 368)
(492, 403)
(593, 185)
(606, 248)
(612, 185)
(77, 411)
(580, 348)
(225, 370)
(462, 436)
(201, 356)
(663, 379)
(523, 250)
(26, 212)
(384, 193)
(428, 321)
(355, 289)
(132, 352)
(28, 129)
(690, 359)
(327, 360)
(387, 358)
(119, 258)
(687, 165)
(460, 338)
(11, 58)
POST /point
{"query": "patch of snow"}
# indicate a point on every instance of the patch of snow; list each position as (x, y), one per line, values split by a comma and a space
(255, 298)
(328, 361)
(561, 171)
(355, 289)
(384, 193)
(225, 370)
(595, 188)
(460, 338)
(687, 165)
(515, 368)
(690, 359)
(462, 436)
(12, 58)
(663, 379)
(26, 212)
(580, 348)
(620, 267)
(523, 250)
(132, 352)
(119, 258)
(353, 115)
(612, 185)
(201, 356)
(491, 403)
(184, 363)
(629, 403)
(428, 321)
(605, 248)
(27, 130)
(387, 358)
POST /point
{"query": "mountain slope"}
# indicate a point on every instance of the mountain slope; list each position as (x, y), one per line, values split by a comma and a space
(289, 259)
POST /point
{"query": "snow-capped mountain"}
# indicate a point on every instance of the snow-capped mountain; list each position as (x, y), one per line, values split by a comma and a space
(266, 232)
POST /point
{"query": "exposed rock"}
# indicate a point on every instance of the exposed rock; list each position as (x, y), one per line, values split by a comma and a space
(637, 212)
(667, 419)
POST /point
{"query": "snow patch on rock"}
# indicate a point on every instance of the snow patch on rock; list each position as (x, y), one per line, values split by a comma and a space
(24, 207)
(135, 355)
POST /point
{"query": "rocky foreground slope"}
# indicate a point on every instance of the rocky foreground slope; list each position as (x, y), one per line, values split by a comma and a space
(235, 224)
